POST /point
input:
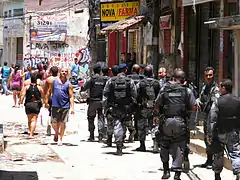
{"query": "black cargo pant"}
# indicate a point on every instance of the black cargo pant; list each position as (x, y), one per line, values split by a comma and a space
(173, 140)
(95, 108)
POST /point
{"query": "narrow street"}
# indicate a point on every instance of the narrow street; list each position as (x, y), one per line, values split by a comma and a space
(77, 159)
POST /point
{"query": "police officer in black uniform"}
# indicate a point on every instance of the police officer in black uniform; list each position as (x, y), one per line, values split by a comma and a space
(108, 114)
(175, 101)
(95, 84)
(136, 77)
(148, 89)
(224, 129)
(119, 94)
(209, 93)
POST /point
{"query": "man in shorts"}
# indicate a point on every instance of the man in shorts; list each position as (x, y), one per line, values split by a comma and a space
(49, 80)
(62, 100)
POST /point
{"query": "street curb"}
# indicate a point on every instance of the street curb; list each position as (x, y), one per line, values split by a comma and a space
(200, 150)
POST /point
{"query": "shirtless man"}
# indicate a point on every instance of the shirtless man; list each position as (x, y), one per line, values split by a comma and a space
(49, 80)
(62, 100)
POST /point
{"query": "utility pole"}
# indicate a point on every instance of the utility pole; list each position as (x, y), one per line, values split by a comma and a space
(40, 2)
(30, 38)
(92, 43)
(154, 50)
(221, 33)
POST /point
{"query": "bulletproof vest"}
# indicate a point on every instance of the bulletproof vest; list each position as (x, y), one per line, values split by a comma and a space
(135, 77)
(121, 90)
(98, 83)
(147, 92)
(175, 99)
(229, 113)
(33, 94)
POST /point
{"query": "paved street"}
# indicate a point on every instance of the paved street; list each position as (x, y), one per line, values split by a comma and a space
(78, 159)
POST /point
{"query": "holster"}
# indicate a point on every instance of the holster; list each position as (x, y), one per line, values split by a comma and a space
(159, 134)
(216, 146)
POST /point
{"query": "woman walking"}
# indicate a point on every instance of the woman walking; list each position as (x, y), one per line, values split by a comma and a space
(33, 102)
(16, 83)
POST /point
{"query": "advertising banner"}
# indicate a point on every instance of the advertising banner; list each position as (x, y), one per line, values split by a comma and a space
(47, 35)
(51, 22)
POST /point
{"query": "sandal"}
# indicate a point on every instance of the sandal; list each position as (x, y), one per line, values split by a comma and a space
(55, 139)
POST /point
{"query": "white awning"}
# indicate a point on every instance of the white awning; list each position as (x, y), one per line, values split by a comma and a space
(191, 2)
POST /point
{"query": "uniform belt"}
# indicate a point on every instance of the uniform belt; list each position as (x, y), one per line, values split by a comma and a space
(174, 117)
(95, 99)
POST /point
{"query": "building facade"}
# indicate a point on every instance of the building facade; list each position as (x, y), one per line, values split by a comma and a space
(13, 30)
(57, 35)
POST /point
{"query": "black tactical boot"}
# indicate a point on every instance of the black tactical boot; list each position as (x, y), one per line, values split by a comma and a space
(119, 151)
(91, 137)
(131, 136)
(186, 165)
(109, 141)
(177, 176)
(142, 147)
(100, 138)
(217, 176)
(238, 176)
(166, 171)
(209, 161)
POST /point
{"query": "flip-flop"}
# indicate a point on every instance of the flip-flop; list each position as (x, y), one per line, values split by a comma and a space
(59, 143)
(55, 139)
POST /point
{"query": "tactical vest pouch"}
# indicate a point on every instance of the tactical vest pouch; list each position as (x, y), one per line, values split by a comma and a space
(149, 94)
(228, 124)
(120, 92)
(174, 110)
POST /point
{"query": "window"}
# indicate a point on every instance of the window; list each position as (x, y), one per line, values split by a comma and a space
(10, 13)
(5, 14)
(18, 12)
(166, 4)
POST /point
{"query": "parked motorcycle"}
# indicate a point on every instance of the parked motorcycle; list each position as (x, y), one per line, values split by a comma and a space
(79, 97)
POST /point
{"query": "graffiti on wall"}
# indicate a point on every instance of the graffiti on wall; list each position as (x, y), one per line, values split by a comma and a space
(58, 54)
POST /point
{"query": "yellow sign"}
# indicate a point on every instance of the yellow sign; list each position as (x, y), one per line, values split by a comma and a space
(116, 11)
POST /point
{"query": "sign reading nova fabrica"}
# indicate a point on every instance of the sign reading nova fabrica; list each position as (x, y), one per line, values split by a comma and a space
(116, 11)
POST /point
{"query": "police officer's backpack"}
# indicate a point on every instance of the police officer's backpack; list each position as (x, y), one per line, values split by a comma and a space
(135, 78)
(121, 90)
(148, 92)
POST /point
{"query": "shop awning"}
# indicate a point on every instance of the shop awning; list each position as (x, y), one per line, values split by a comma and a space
(227, 22)
(124, 24)
(192, 2)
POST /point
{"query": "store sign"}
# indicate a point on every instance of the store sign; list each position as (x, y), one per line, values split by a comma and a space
(51, 22)
(165, 22)
(116, 11)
